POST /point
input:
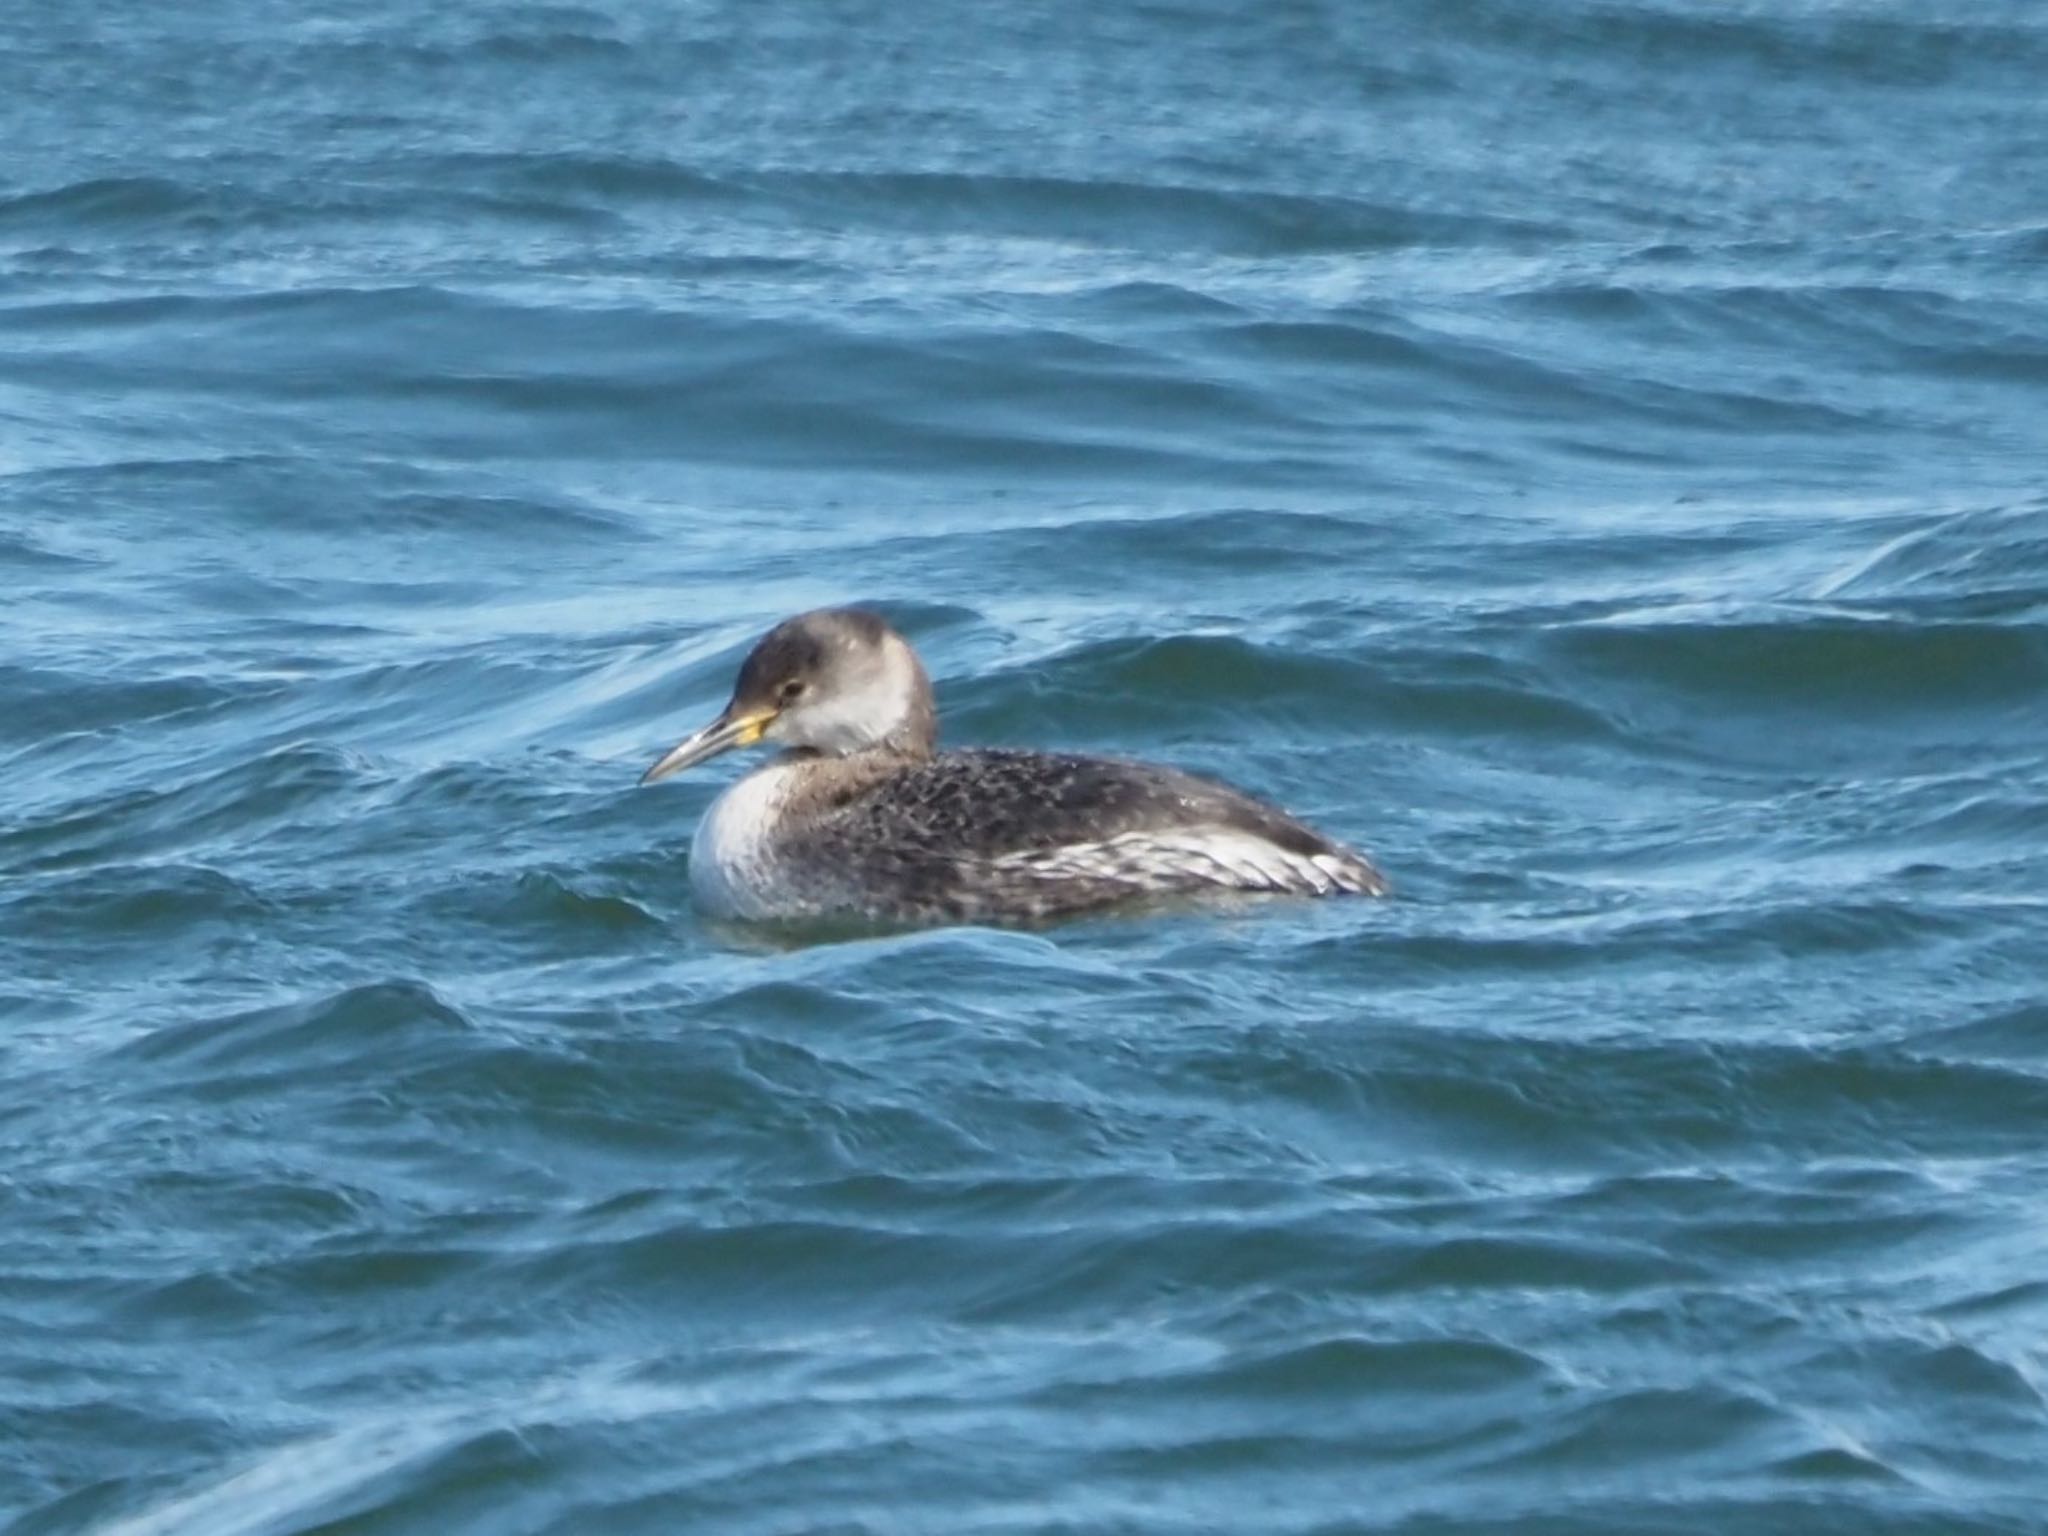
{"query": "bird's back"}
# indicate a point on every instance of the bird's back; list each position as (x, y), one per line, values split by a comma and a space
(990, 835)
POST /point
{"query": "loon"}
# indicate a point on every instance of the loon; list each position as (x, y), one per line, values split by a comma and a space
(861, 817)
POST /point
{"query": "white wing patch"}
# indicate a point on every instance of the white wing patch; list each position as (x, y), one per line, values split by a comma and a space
(1202, 856)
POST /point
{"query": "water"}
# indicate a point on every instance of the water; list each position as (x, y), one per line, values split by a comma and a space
(1590, 454)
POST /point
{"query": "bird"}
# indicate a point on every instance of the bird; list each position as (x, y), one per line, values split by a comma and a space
(861, 817)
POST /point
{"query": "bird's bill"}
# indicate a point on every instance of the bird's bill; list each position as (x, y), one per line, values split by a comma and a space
(721, 735)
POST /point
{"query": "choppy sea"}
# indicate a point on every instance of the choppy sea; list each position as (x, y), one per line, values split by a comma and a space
(1593, 454)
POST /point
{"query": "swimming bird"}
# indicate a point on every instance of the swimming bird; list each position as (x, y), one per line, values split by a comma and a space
(861, 817)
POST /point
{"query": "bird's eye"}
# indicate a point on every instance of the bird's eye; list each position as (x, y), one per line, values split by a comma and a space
(792, 690)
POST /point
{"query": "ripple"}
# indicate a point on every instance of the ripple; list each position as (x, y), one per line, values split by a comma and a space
(103, 200)
(319, 1031)
(1990, 563)
(1803, 661)
(1232, 685)
(1340, 1369)
(1112, 213)
(123, 904)
(1687, 1429)
(45, 702)
(209, 809)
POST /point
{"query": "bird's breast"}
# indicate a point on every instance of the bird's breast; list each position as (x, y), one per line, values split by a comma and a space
(733, 865)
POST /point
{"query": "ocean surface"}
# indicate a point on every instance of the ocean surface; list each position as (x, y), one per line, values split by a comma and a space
(1592, 454)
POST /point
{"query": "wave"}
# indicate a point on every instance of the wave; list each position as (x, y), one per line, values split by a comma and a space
(1725, 675)
(1988, 564)
(104, 200)
(346, 1025)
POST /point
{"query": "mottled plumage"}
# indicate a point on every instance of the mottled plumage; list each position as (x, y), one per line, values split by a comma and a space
(861, 818)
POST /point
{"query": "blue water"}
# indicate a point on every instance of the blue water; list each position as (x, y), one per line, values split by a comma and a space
(1591, 454)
